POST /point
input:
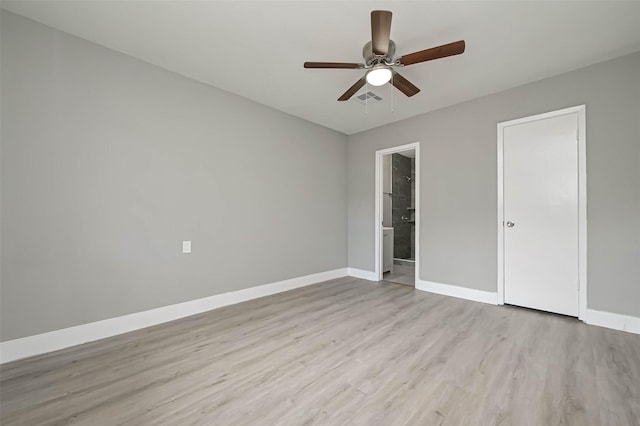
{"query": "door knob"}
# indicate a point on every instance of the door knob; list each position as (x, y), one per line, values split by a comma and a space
(510, 224)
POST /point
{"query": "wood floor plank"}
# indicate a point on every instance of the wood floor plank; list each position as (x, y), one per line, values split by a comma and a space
(345, 351)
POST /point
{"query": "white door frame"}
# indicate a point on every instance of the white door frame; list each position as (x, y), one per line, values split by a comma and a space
(580, 110)
(378, 209)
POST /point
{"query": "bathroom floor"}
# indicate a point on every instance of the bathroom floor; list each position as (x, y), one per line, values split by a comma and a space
(401, 275)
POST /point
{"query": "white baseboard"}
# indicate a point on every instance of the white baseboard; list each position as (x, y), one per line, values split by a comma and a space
(362, 274)
(59, 339)
(459, 292)
(614, 321)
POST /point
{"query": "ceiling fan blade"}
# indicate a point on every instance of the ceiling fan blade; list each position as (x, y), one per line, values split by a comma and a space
(443, 51)
(404, 85)
(344, 65)
(352, 90)
(380, 31)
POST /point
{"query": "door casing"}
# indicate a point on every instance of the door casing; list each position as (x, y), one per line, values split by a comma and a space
(378, 206)
(580, 110)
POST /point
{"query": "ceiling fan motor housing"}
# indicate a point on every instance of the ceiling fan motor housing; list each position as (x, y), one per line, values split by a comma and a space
(372, 59)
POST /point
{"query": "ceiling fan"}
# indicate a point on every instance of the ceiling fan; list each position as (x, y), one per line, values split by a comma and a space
(378, 56)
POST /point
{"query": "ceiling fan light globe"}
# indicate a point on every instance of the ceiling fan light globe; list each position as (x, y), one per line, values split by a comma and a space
(378, 76)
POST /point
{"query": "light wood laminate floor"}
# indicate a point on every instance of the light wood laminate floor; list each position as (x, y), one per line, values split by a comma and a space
(401, 275)
(342, 352)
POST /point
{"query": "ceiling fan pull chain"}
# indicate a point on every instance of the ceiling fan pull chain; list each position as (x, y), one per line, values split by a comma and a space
(366, 98)
(391, 89)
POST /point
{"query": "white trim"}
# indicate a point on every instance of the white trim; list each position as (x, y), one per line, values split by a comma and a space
(500, 284)
(362, 274)
(620, 322)
(457, 291)
(378, 206)
(582, 211)
(59, 339)
(580, 110)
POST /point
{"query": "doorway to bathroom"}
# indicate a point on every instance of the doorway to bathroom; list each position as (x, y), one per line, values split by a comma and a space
(397, 214)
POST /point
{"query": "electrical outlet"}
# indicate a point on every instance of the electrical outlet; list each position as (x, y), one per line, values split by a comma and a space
(186, 247)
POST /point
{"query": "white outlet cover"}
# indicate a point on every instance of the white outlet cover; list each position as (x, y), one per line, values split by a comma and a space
(186, 247)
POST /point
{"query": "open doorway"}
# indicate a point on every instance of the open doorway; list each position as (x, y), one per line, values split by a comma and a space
(397, 216)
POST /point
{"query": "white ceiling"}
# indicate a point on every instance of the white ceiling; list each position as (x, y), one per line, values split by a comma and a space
(256, 49)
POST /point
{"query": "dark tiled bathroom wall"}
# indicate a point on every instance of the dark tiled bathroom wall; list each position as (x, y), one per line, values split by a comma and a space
(402, 212)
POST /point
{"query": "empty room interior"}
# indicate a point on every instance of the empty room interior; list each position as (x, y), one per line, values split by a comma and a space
(308, 212)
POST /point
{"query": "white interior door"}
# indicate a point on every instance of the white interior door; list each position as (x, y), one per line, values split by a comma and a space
(541, 214)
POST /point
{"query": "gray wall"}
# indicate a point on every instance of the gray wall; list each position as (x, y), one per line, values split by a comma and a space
(108, 163)
(458, 240)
